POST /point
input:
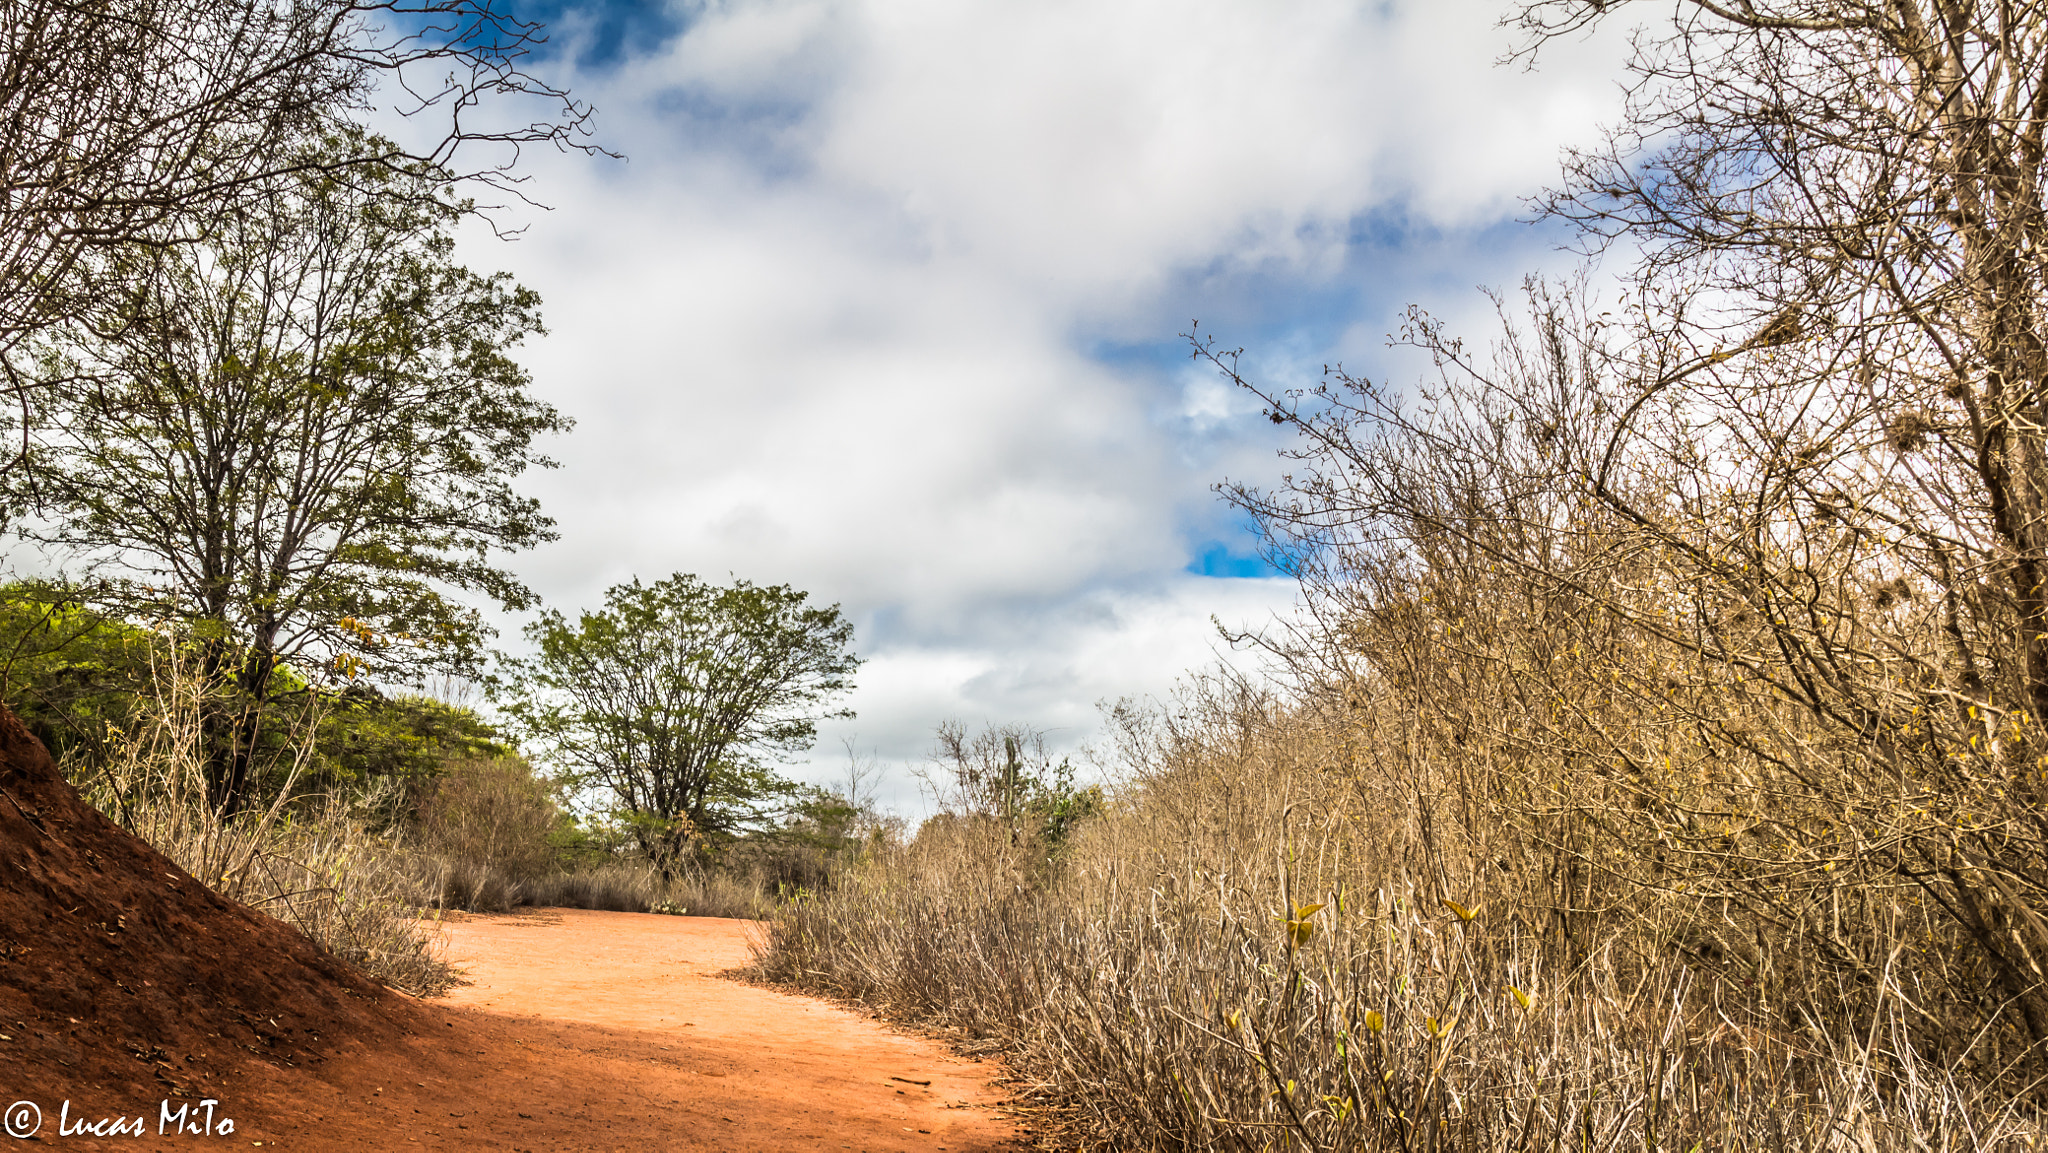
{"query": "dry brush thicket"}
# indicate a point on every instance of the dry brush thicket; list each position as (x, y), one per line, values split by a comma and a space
(1679, 798)
(1484, 971)
(1666, 707)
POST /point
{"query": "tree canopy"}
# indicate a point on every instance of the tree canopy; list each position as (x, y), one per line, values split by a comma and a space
(298, 439)
(676, 698)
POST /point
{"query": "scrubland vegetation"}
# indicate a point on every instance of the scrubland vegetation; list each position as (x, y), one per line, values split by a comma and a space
(364, 864)
(1657, 759)
(1311, 925)
(377, 812)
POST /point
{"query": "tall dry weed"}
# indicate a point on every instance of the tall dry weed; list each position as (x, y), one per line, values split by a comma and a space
(316, 865)
(637, 887)
(1281, 938)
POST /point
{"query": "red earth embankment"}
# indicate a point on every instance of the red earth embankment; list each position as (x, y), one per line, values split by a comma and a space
(120, 973)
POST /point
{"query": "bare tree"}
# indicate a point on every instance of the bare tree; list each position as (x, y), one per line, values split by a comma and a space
(1846, 199)
(126, 121)
(1663, 692)
(1823, 406)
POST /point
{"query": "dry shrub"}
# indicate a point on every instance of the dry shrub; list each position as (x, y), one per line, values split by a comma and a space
(492, 814)
(473, 887)
(714, 893)
(638, 888)
(1174, 985)
(483, 836)
(321, 869)
(620, 888)
(1628, 670)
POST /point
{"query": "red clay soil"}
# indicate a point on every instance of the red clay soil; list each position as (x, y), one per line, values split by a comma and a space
(129, 991)
(728, 1065)
(120, 973)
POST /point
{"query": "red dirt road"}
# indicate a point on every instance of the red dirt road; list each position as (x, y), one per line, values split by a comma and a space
(750, 1067)
(601, 1031)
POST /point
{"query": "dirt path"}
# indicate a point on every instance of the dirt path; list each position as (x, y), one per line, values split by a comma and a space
(755, 1068)
(610, 1031)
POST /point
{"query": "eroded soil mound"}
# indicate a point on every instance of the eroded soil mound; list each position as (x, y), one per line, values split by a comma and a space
(120, 971)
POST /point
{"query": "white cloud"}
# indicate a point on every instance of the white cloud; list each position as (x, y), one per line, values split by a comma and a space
(1096, 648)
(833, 323)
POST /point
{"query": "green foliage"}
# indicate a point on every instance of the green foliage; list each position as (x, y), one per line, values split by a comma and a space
(677, 698)
(818, 832)
(71, 674)
(1005, 773)
(305, 429)
(823, 819)
(365, 735)
(1056, 806)
(295, 439)
(87, 683)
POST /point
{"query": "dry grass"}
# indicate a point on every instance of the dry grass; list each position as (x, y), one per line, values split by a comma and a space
(327, 874)
(638, 888)
(484, 841)
(1153, 982)
(471, 886)
(331, 878)
(334, 880)
(626, 887)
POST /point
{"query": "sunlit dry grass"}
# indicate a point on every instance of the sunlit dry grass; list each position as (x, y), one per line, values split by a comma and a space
(317, 867)
(1256, 951)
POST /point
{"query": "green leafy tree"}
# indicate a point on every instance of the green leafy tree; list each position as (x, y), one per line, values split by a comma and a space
(295, 443)
(74, 676)
(365, 736)
(676, 697)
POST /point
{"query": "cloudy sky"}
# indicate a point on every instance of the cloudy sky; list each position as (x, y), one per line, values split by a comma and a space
(886, 303)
